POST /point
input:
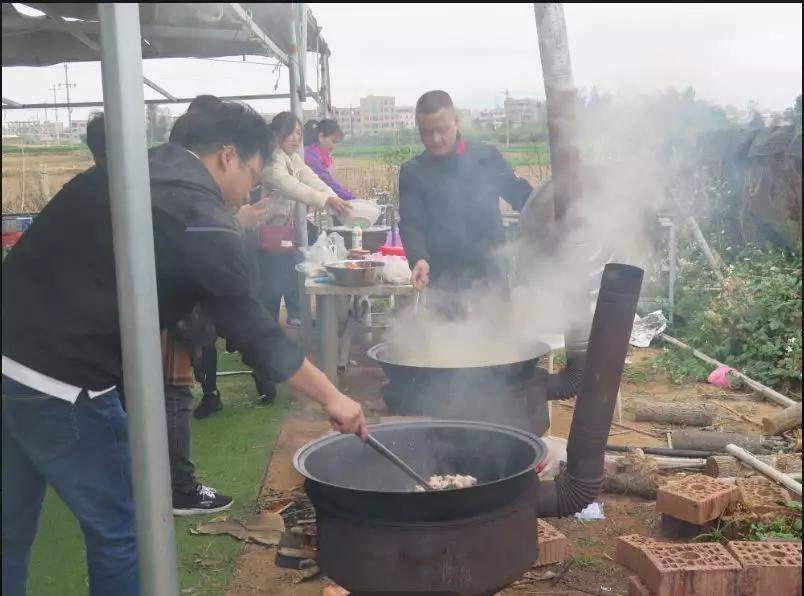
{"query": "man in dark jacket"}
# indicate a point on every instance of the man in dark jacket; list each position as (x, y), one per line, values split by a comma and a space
(62, 420)
(449, 202)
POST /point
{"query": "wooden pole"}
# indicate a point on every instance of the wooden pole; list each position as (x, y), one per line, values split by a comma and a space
(763, 468)
(782, 421)
(756, 386)
(696, 231)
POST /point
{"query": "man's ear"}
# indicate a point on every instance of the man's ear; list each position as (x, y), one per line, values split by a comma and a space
(227, 156)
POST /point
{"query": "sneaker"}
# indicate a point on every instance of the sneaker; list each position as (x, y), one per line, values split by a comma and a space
(266, 389)
(210, 403)
(204, 500)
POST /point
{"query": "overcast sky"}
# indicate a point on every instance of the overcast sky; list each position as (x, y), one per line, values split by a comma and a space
(730, 53)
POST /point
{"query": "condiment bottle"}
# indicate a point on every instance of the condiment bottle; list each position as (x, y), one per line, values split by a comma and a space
(357, 238)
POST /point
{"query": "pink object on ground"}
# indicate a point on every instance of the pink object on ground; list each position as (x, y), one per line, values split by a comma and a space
(719, 377)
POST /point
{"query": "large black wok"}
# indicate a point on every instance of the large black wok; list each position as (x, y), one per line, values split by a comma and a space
(376, 534)
(503, 392)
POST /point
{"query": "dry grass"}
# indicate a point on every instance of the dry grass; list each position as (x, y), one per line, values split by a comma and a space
(30, 181)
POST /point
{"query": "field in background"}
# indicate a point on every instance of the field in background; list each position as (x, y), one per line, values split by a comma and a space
(32, 175)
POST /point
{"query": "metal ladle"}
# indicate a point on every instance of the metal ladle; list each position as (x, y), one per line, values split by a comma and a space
(394, 459)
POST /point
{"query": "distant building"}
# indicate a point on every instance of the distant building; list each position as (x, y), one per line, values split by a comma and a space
(377, 115)
(78, 129)
(493, 119)
(524, 111)
(36, 131)
(348, 119)
(406, 117)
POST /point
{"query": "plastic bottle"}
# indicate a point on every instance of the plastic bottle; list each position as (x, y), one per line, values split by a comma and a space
(357, 238)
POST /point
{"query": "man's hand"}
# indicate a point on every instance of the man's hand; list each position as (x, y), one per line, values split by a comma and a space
(340, 206)
(250, 216)
(346, 416)
(421, 275)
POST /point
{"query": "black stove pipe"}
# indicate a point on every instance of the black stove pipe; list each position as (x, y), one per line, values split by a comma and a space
(581, 482)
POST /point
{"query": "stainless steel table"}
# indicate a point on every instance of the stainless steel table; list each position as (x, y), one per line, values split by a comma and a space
(329, 300)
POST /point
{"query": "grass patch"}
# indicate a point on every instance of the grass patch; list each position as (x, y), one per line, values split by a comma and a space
(583, 562)
(231, 451)
(45, 149)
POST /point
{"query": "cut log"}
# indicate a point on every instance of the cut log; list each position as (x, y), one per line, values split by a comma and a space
(763, 468)
(722, 466)
(782, 421)
(630, 484)
(703, 440)
(673, 413)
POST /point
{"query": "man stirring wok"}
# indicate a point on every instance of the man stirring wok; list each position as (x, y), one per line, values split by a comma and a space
(450, 217)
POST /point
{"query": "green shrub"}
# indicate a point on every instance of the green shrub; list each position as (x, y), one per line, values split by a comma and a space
(752, 322)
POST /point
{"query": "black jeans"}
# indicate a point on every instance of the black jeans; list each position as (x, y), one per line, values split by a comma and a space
(209, 369)
(178, 408)
(278, 278)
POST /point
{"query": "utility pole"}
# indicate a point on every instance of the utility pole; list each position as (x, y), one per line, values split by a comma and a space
(67, 86)
(55, 88)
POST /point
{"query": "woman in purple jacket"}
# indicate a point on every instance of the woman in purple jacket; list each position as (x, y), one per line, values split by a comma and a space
(320, 138)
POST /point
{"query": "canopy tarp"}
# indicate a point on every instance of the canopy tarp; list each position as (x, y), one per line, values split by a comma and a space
(68, 31)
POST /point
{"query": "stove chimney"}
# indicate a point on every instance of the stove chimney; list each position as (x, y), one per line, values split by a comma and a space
(580, 483)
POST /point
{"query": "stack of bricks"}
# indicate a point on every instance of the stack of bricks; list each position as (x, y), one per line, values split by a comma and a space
(762, 496)
(667, 569)
(709, 569)
(687, 505)
(770, 568)
(553, 545)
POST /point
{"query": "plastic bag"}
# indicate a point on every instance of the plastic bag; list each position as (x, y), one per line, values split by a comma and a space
(556, 455)
(720, 377)
(396, 270)
(325, 250)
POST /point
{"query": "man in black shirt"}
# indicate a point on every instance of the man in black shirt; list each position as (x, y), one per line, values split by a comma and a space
(449, 202)
(62, 363)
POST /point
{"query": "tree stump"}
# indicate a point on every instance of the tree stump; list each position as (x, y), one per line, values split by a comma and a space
(722, 466)
(686, 414)
(782, 421)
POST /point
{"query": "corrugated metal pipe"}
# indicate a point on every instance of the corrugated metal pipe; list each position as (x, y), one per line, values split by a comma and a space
(580, 483)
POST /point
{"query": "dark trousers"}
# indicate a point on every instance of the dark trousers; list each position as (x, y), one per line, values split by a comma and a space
(82, 451)
(278, 279)
(209, 369)
(178, 409)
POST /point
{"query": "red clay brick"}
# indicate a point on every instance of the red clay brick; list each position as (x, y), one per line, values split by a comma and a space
(761, 495)
(686, 569)
(553, 545)
(769, 568)
(636, 587)
(696, 499)
(630, 553)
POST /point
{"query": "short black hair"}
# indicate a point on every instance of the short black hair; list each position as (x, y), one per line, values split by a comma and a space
(432, 101)
(326, 127)
(283, 124)
(96, 135)
(204, 102)
(204, 131)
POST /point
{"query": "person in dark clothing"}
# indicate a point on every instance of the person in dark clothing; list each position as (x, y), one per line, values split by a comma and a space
(62, 362)
(450, 218)
(205, 358)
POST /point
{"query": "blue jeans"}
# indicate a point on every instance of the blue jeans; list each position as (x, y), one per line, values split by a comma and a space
(82, 451)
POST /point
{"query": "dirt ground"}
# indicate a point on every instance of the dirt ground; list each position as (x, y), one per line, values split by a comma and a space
(592, 543)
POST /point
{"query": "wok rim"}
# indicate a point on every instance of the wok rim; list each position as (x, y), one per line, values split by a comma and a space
(539, 455)
(541, 348)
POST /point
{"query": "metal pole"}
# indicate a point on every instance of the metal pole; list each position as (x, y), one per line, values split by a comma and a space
(294, 66)
(132, 229)
(673, 261)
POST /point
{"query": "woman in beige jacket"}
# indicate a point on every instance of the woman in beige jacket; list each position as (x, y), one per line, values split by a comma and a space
(287, 179)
